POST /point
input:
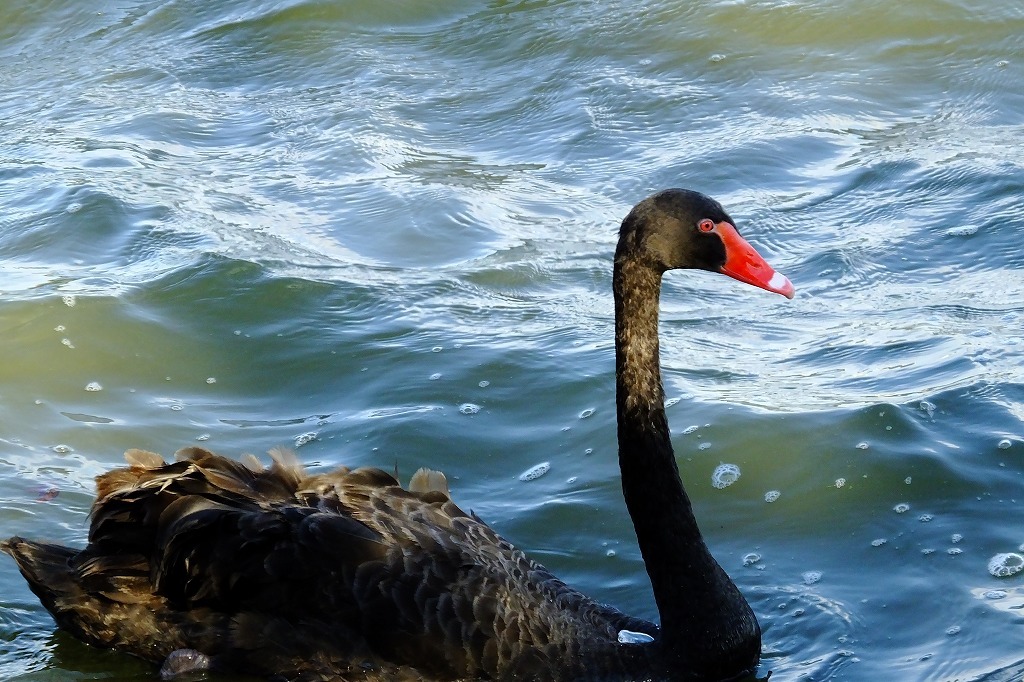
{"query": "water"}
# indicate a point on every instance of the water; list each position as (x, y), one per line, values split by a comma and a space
(359, 218)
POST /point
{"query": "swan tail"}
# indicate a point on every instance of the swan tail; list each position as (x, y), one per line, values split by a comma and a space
(46, 569)
(102, 610)
(108, 602)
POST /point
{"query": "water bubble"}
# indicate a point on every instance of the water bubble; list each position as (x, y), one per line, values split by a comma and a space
(690, 429)
(436, 349)
(435, 376)
(237, 332)
(671, 401)
(878, 542)
(61, 449)
(955, 538)
(772, 495)
(928, 408)
(203, 437)
(589, 412)
(571, 480)
(862, 445)
(901, 508)
(908, 480)
(588, 451)
(725, 475)
(751, 558)
(715, 58)
(925, 518)
(1005, 444)
(67, 342)
(484, 384)
(995, 594)
(177, 407)
(811, 577)
(93, 386)
(305, 438)
(840, 482)
(704, 446)
(1003, 63)
(954, 551)
(469, 408)
(1003, 565)
(69, 301)
(535, 472)
(953, 630)
(610, 552)
(60, 328)
(211, 380)
(927, 551)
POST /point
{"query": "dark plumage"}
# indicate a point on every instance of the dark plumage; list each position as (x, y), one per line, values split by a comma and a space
(209, 563)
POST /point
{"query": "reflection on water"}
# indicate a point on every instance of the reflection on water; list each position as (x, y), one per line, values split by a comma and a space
(382, 233)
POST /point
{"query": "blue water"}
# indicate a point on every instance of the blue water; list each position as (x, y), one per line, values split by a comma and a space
(381, 232)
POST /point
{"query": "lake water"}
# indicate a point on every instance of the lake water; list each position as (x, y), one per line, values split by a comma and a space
(382, 232)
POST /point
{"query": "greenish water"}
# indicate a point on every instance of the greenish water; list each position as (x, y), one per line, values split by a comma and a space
(382, 232)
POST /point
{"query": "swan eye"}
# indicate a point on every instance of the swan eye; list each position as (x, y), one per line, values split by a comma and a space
(705, 225)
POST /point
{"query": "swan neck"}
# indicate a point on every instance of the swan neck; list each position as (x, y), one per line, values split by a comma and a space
(703, 616)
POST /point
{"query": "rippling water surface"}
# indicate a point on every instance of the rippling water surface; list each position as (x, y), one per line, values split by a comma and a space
(382, 232)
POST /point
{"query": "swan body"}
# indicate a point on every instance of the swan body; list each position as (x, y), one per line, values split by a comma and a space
(208, 563)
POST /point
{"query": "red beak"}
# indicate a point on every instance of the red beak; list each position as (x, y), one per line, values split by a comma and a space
(742, 262)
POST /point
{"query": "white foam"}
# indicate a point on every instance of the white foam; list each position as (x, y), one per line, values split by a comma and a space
(305, 438)
(811, 577)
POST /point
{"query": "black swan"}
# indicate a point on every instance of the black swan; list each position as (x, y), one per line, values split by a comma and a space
(211, 564)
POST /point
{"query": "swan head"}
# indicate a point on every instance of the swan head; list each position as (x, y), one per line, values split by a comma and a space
(680, 228)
